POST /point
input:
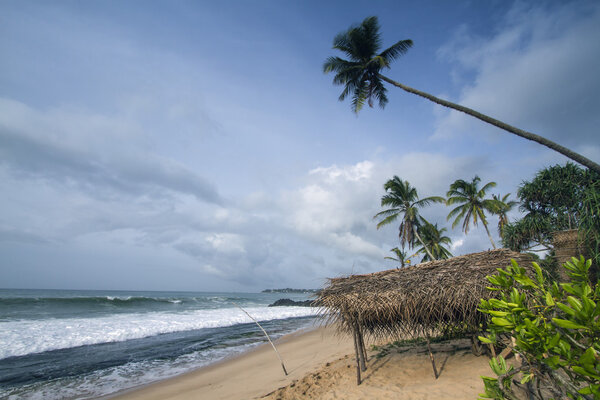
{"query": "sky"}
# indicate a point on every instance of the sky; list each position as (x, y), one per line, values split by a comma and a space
(196, 145)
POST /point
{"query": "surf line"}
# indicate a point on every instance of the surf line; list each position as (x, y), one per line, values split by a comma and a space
(266, 334)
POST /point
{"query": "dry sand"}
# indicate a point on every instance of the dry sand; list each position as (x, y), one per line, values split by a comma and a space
(321, 366)
(405, 373)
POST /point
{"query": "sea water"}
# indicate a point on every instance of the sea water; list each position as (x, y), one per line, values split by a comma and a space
(58, 344)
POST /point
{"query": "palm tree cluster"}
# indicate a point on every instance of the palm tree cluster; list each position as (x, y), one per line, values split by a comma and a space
(471, 205)
(403, 200)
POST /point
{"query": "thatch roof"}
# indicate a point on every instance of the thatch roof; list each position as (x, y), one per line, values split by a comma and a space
(440, 295)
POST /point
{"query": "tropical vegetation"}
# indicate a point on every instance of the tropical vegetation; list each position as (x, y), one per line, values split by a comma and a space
(472, 204)
(434, 240)
(555, 330)
(558, 198)
(402, 200)
(401, 257)
(361, 77)
(503, 206)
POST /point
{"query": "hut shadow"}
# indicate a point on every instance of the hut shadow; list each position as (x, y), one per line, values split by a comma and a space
(374, 366)
(443, 365)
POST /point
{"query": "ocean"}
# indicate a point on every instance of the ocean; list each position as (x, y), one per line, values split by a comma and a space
(70, 344)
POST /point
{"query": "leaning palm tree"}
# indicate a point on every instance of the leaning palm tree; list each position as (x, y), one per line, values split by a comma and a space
(435, 240)
(362, 80)
(502, 208)
(404, 200)
(401, 257)
(472, 203)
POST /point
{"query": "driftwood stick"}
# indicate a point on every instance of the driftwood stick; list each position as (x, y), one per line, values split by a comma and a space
(356, 353)
(435, 372)
(267, 335)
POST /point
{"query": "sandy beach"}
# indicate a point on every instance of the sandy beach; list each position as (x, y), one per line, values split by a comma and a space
(321, 366)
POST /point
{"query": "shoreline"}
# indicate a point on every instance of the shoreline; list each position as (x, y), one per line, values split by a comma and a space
(321, 365)
(251, 374)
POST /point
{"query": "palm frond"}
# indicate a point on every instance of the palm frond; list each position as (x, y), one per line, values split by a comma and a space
(387, 213)
(387, 220)
(395, 51)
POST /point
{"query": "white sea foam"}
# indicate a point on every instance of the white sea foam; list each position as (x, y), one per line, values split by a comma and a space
(110, 380)
(23, 337)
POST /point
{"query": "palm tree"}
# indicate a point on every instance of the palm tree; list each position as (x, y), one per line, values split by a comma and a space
(472, 203)
(404, 200)
(362, 79)
(502, 208)
(401, 257)
(435, 240)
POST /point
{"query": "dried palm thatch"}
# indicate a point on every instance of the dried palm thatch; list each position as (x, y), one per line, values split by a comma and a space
(437, 296)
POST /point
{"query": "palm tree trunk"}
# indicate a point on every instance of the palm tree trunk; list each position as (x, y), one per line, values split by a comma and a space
(488, 233)
(422, 243)
(509, 128)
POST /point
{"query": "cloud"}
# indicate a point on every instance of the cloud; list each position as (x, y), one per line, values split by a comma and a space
(538, 71)
(87, 180)
(93, 152)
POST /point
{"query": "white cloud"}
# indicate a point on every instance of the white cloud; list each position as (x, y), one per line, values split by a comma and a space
(537, 72)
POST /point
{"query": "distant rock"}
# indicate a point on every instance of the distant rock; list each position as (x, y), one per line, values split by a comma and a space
(289, 302)
(290, 290)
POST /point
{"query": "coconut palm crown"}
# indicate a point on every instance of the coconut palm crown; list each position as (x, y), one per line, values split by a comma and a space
(503, 206)
(402, 199)
(472, 204)
(360, 74)
(434, 240)
(401, 257)
(362, 80)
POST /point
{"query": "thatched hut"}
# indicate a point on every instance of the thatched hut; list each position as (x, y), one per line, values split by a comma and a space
(418, 301)
(568, 243)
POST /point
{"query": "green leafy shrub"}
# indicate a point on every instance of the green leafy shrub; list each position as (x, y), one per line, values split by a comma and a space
(554, 329)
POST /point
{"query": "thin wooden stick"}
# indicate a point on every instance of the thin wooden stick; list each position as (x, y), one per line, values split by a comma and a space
(267, 335)
(435, 373)
(355, 334)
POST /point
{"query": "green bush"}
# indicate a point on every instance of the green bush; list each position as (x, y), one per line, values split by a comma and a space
(555, 329)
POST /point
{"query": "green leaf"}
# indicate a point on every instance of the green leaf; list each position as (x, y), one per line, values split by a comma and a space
(568, 287)
(549, 299)
(554, 341)
(526, 378)
(566, 309)
(585, 390)
(538, 272)
(502, 322)
(588, 356)
(575, 303)
(485, 340)
(525, 281)
(565, 323)
(582, 371)
(499, 313)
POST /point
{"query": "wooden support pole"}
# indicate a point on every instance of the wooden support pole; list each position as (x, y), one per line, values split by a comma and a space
(435, 372)
(356, 353)
(361, 352)
(364, 348)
